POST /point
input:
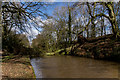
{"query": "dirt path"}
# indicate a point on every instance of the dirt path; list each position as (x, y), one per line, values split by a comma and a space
(17, 68)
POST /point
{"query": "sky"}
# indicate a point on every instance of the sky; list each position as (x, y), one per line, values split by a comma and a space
(49, 10)
(59, 0)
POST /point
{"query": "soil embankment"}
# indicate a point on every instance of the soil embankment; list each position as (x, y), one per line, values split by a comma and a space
(17, 67)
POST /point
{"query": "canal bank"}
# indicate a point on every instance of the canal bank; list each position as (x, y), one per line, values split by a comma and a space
(17, 67)
(102, 48)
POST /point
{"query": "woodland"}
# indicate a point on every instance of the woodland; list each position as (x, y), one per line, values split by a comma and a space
(86, 29)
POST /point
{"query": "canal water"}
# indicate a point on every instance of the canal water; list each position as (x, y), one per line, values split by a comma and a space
(74, 67)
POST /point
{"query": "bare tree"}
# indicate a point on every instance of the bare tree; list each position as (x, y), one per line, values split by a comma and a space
(18, 15)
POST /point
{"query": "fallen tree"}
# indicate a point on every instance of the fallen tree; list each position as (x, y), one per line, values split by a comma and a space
(103, 47)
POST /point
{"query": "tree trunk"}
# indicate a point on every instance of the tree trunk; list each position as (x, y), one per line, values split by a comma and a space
(87, 32)
(69, 25)
(0, 26)
(102, 26)
(113, 21)
(93, 34)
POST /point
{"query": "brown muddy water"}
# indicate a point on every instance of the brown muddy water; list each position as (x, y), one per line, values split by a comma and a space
(74, 67)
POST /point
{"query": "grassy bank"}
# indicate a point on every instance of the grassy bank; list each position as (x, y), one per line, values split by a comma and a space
(16, 66)
(59, 52)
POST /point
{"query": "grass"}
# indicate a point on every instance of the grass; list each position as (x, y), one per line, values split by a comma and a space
(34, 76)
(58, 51)
(50, 54)
(6, 58)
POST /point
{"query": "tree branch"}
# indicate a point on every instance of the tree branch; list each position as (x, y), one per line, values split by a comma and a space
(102, 14)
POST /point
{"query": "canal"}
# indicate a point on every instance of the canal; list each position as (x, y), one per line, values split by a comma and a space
(74, 67)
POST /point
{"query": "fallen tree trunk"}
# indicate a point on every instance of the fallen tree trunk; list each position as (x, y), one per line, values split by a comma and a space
(110, 36)
(82, 39)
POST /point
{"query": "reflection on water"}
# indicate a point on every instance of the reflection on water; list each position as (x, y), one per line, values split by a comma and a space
(73, 67)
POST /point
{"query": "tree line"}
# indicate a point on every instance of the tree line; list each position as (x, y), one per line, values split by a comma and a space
(89, 19)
